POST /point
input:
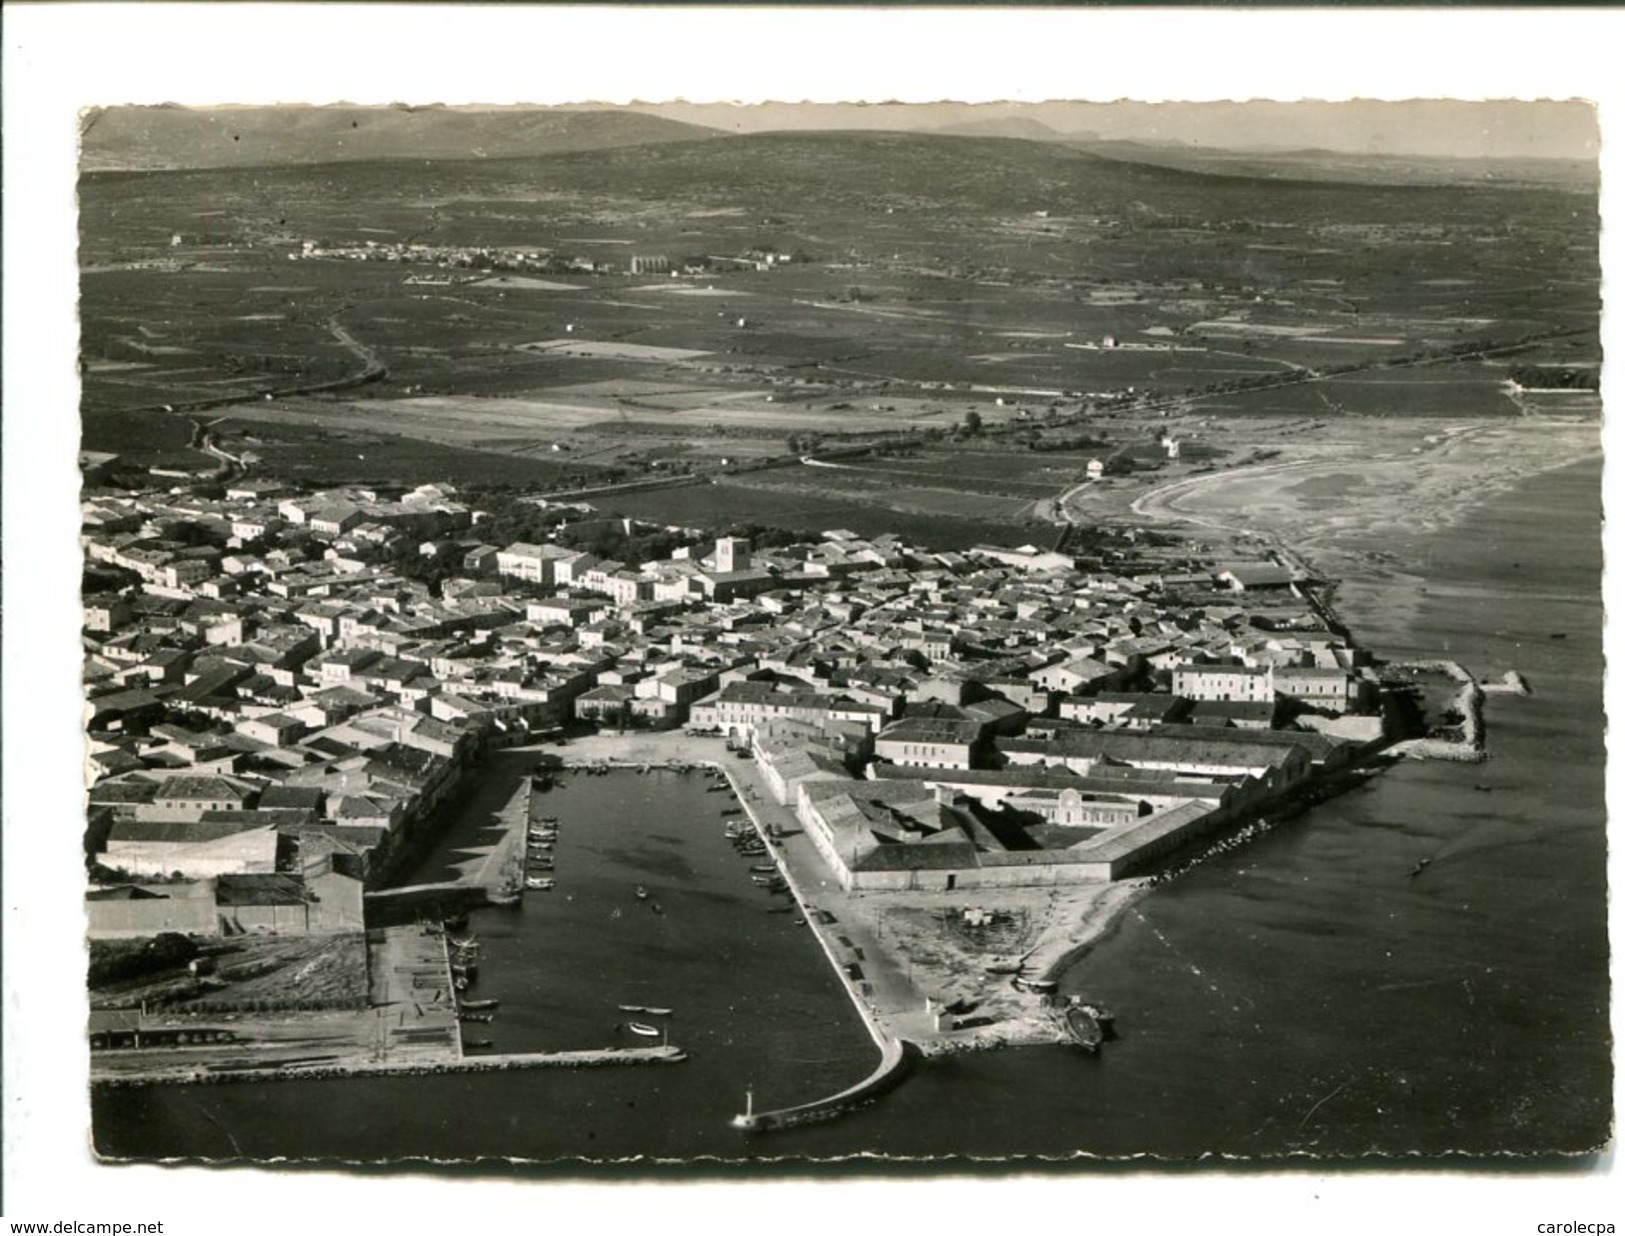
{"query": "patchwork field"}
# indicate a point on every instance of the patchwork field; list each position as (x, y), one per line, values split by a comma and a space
(841, 290)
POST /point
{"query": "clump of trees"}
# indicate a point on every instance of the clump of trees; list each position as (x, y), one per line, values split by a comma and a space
(120, 961)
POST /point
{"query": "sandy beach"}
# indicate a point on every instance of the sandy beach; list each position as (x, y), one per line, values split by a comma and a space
(1357, 483)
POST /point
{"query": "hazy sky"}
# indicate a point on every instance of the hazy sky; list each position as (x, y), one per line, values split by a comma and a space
(1429, 127)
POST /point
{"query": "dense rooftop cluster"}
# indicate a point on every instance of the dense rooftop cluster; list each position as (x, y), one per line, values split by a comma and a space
(267, 679)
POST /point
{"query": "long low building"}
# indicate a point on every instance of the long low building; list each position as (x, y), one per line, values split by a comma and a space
(1191, 749)
(740, 707)
(897, 835)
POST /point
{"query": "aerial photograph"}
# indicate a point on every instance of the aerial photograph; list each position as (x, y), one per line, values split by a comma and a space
(771, 633)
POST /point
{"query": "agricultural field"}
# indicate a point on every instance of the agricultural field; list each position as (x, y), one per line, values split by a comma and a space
(758, 498)
(832, 290)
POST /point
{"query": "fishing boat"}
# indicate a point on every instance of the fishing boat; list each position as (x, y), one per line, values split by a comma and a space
(643, 1028)
(477, 1006)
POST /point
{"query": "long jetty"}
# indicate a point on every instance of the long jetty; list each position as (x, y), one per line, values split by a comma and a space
(491, 1063)
(895, 1054)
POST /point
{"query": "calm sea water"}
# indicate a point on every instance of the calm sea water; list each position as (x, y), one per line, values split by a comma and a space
(1304, 993)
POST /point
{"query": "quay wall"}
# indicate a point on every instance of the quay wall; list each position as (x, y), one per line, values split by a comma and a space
(895, 1054)
(608, 1057)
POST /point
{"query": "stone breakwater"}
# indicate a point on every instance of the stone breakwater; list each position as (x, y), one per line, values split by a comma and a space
(608, 1057)
(1469, 702)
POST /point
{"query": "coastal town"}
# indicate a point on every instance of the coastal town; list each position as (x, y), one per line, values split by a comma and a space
(712, 626)
(282, 713)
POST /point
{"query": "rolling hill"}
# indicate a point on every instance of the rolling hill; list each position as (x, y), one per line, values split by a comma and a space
(173, 138)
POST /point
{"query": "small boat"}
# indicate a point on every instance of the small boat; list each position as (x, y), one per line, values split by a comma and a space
(1084, 1027)
(779, 909)
(655, 906)
(477, 1017)
(759, 879)
(645, 1009)
(648, 1031)
(798, 922)
(764, 867)
(1559, 635)
(733, 811)
(1014, 967)
(458, 942)
(1421, 866)
(642, 893)
(476, 1044)
(477, 1005)
(1484, 789)
(549, 819)
(540, 883)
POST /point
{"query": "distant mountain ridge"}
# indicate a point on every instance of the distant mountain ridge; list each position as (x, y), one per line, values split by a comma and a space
(174, 138)
(179, 138)
(1342, 167)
